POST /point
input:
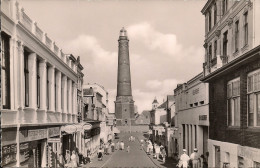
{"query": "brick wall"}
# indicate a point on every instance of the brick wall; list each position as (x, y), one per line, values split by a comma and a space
(218, 129)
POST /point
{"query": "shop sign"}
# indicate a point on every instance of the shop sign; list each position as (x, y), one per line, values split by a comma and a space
(69, 129)
(54, 140)
(9, 154)
(37, 134)
(87, 126)
(55, 131)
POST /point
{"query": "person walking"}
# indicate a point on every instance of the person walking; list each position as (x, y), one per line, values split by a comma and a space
(157, 152)
(184, 160)
(163, 153)
(100, 154)
(128, 149)
(195, 158)
(113, 146)
(73, 159)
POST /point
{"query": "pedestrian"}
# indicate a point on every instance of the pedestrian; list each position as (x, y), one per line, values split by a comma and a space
(73, 159)
(100, 154)
(123, 145)
(163, 154)
(113, 146)
(184, 159)
(106, 149)
(195, 158)
(128, 149)
(61, 161)
(157, 152)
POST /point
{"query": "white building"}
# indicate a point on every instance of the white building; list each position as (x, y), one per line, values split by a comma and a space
(192, 115)
(38, 88)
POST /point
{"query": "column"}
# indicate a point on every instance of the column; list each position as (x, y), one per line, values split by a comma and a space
(64, 93)
(20, 76)
(69, 96)
(14, 71)
(75, 98)
(44, 154)
(43, 80)
(32, 80)
(58, 91)
(51, 75)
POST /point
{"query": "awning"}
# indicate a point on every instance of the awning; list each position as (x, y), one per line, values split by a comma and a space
(116, 130)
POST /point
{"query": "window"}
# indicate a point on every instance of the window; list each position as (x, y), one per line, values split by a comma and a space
(253, 97)
(236, 35)
(224, 6)
(225, 43)
(245, 29)
(38, 83)
(210, 53)
(26, 78)
(5, 73)
(47, 87)
(183, 134)
(209, 20)
(233, 102)
(256, 164)
(215, 48)
(240, 162)
(215, 13)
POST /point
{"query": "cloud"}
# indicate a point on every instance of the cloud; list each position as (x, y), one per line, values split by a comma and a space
(153, 39)
(158, 63)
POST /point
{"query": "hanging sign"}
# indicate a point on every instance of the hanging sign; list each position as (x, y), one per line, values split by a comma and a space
(87, 126)
(69, 129)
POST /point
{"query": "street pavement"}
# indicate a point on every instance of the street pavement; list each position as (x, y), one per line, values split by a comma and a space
(136, 158)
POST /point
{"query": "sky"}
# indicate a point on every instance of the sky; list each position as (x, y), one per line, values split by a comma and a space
(165, 41)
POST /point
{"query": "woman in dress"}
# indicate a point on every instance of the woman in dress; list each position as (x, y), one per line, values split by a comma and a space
(73, 159)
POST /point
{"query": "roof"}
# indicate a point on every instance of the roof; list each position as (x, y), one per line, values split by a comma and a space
(155, 101)
(170, 98)
(164, 105)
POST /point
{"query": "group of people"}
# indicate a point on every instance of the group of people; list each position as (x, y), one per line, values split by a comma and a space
(189, 161)
(155, 150)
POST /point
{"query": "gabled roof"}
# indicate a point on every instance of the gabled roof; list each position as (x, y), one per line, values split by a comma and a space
(164, 105)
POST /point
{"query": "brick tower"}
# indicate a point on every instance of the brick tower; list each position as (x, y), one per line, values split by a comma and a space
(124, 104)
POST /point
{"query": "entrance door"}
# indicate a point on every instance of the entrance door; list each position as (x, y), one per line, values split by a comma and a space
(217, 156)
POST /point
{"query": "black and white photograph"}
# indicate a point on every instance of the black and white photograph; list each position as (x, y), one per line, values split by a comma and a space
(130, 83)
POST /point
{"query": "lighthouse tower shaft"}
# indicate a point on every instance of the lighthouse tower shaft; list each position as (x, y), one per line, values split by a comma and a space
(124, 104)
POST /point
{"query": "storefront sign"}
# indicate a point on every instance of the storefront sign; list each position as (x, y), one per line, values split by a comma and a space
(55, 131)
(87, 126)
(69, 129)
(54, 140)
(8, 154)
(37, 134)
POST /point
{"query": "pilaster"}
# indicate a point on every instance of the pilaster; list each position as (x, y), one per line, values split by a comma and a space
(43, 79)
(64, 90)
(51, 75)
(58, 91)
(32, 80)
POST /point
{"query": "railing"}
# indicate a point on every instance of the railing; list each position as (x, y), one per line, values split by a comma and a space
(26, 21)
(15, 12)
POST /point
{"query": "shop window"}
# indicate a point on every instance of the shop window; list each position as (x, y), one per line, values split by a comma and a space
(253, 97)
(5, 71)
(233, 102)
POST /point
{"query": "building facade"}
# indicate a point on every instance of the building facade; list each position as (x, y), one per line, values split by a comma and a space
(233, 76)
(39, 92)
(192, 115)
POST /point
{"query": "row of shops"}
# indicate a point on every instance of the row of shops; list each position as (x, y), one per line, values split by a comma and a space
(41, 146)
